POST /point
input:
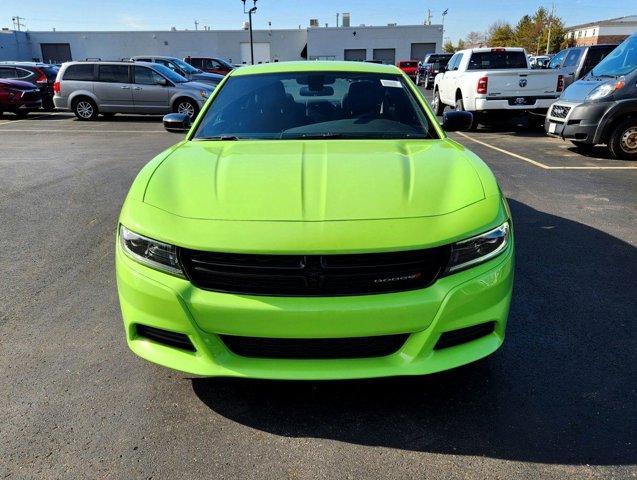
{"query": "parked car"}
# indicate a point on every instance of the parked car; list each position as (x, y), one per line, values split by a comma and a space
(93, 88)
(574, 63)
(210, 64)
(288, 237)
(182, 68)
(497, 81)
(430, 67)
(18, 97)
(410, 67)
(40, 74)
(601, 108)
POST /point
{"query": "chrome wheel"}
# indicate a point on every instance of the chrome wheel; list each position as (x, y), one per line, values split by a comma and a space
(628, 140)
(187, 108)
(84, 109)
(435, 102)
(418, 78)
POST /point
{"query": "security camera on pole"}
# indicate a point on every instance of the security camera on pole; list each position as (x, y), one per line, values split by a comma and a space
(250, 12)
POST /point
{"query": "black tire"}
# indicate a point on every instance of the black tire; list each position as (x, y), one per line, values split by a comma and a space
(85, 109)
(460, 108)
(437, 105)
(428, 83)
(21, 113)
(48, 105)
(187, 106)
(583, 147)
(622, 143)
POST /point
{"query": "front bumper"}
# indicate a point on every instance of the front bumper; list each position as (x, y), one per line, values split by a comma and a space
(580, 122)
(471, 297)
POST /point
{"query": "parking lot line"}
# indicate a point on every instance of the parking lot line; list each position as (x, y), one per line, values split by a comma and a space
(28, 118)
(539, 164)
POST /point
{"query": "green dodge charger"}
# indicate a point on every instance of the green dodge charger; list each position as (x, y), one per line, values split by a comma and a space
(315, 223)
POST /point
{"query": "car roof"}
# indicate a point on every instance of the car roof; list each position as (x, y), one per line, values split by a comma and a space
(313, 66)
(26, 64)
(488, 49)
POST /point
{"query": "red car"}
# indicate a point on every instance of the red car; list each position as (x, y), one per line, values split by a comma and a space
(410, 67)
(19, 97)
(210, 64)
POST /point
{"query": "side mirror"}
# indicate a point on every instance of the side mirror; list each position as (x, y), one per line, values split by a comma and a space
(457, 121)
(163, 82)
(442, 69)
(177, 122)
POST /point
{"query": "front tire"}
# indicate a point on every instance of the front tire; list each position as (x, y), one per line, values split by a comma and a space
(622, 143)
(460, 108)
(437, 105)
(187, 106)
(85, 109)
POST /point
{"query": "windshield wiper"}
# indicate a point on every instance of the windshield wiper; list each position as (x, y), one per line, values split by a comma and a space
(312, 136)
(220, 137)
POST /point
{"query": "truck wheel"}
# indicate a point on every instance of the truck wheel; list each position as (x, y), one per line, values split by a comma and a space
(437, 105)
(622, 143)
(418, 79)
(460, 108)
(428, 82)
(85, 109)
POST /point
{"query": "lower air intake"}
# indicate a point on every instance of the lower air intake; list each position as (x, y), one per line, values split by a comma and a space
(172, 339)
(464, 335)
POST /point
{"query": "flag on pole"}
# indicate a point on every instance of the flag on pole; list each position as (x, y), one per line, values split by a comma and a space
(445, 12)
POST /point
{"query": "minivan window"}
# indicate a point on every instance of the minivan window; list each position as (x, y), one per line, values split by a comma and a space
(497, 60)
(146, 76)
(113, 73)
(621, 61)
(319, 105)
(81, 72)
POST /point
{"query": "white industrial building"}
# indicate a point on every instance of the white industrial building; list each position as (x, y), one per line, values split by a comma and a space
(386, 43)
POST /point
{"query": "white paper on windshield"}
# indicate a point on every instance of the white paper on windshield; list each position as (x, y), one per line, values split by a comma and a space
(391, 83)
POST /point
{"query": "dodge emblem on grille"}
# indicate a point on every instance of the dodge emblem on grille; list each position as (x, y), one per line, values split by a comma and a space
(523, 82)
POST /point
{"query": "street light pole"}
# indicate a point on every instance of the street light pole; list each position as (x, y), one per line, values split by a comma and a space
(250, 12)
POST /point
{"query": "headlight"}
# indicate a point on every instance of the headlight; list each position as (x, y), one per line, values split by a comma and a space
(149, 252)
(203, 93)
(605, 89)
(478, 249)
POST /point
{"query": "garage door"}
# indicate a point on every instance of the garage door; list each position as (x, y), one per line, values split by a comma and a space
(419, 50)
(385, 55)
(355, 54)
(261, 52)
(56, 52)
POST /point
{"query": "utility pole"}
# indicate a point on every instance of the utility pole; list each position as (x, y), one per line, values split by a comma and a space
(428, 22)
(16, 22)
(337, 15)
(196, 25)
(548, 40)
(250, 12)
(444, 14)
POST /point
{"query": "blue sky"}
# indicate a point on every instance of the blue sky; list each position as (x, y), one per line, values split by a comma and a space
(464, 15)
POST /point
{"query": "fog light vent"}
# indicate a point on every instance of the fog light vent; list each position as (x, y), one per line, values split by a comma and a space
(464, 335)
(172, 339)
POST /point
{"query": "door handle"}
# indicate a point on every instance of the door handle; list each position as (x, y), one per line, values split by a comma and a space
(125, 87)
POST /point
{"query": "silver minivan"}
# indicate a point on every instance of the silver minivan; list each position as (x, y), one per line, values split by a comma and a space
(93, 88)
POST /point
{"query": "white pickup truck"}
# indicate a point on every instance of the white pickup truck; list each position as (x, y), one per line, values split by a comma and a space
(496, 81)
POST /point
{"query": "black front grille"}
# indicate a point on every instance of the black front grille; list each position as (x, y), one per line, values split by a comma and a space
(559, 111)
(314, 348)
(314, 275)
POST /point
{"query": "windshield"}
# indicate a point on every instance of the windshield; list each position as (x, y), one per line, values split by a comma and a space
(169, 74)
(620, 61)
(224, 63)
(438, 59)
(497, 60)
(315, 105)
(185, 66)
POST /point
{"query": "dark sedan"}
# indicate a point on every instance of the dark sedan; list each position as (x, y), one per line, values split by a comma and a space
(430, 67)
(42, 75)
(19, 97)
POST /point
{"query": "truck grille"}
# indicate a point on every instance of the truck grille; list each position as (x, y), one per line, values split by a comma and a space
(560, 111)
(314, 348)
(314, 275)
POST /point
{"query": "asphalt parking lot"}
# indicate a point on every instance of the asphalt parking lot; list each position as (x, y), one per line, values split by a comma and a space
(557, 401)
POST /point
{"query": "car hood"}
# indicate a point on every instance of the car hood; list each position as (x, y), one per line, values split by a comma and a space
(579, 90)
(294, 180)
(206, 77)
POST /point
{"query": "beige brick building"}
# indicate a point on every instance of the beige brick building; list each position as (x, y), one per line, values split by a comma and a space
(613, 30)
